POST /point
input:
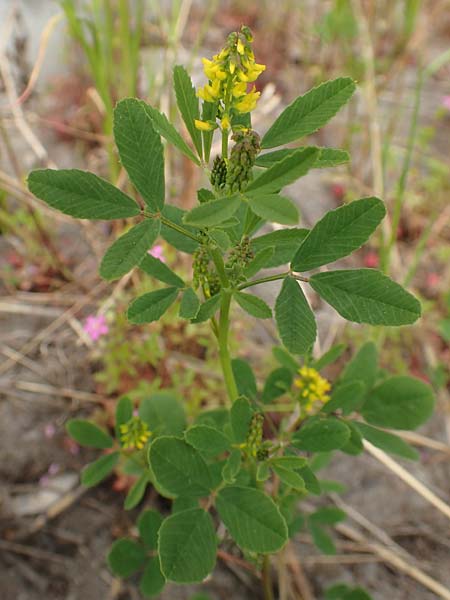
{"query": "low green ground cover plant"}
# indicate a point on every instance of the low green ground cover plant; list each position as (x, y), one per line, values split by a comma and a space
(238, 471)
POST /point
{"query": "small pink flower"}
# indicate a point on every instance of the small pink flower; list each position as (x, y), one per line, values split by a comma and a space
(371, 260)
(446, 102)
(157, 252)
(95, 326)
(49, 431)
(433, 279)
(71, 446)
(338, 191)
(51, 471)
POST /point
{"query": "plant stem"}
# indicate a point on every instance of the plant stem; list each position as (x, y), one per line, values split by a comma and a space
(220, 266)
(267, 579)
(225, 143)
(174, 226)
(271, 278)
(225, 359)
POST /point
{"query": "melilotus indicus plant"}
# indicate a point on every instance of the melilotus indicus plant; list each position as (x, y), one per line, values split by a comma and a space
(236, 473)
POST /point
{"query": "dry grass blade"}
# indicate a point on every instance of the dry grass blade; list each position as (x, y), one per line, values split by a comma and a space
(45, 36)
(392, 558)
(409, 479)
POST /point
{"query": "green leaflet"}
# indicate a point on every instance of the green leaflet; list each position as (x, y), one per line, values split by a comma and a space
(129, 249)
(179, 468)
(252, 518)
(207, 439)
(285, 243)
(274, 208)
(283, 173)
(174, 238)
(213, 212)
(253, 305)
(87, 434)
(157, 269)
(163, 126)
(245, 378)
(277, 384)
(366, 296)
(163, 413)
(400, 402)
(151, 306)
(295, 320)
(387, 441)
(81, 194)
(207, 309)
(148, 525)
(98, 470)
(137, 491)
(125, 557)
(188, 104)
(328, 157)
(339, 233)
(187, 546)
(241, 415)
(124, 412)
(190, 304)
(152, 581)
(363, 366)
(140, 151)
(309, 112)
(321, 435)
(346, 396)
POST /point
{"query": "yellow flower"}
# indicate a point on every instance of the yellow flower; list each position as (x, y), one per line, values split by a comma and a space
(248, 102)
(239, 89)
(225, 122)
(228, 73)
(313, 388)
(134, 434)
(204, 125)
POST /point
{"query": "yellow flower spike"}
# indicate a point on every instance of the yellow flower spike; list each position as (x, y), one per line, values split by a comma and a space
(204, 125)
(313, 388)
(240, 47)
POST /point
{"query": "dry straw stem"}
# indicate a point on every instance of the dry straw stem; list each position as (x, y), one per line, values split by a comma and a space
(420, 440)
(31, 345)
(409, 479)
(376, 147)
(378, 533)
(392, 558)
(51, 390)
(45, 37)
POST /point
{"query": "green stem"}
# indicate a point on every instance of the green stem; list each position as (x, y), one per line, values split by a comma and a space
(225, 143)
(173, 225)
(271, 278)
(225, 359)
(220, 266)
(267, 579)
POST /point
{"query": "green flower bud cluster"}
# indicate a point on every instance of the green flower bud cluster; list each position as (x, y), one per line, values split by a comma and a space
(239, 258)
(218, 176)
(242, 159)
(253, 442)
(204, 276)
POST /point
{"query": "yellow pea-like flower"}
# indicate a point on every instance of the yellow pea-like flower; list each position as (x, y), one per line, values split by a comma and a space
(204, 125)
